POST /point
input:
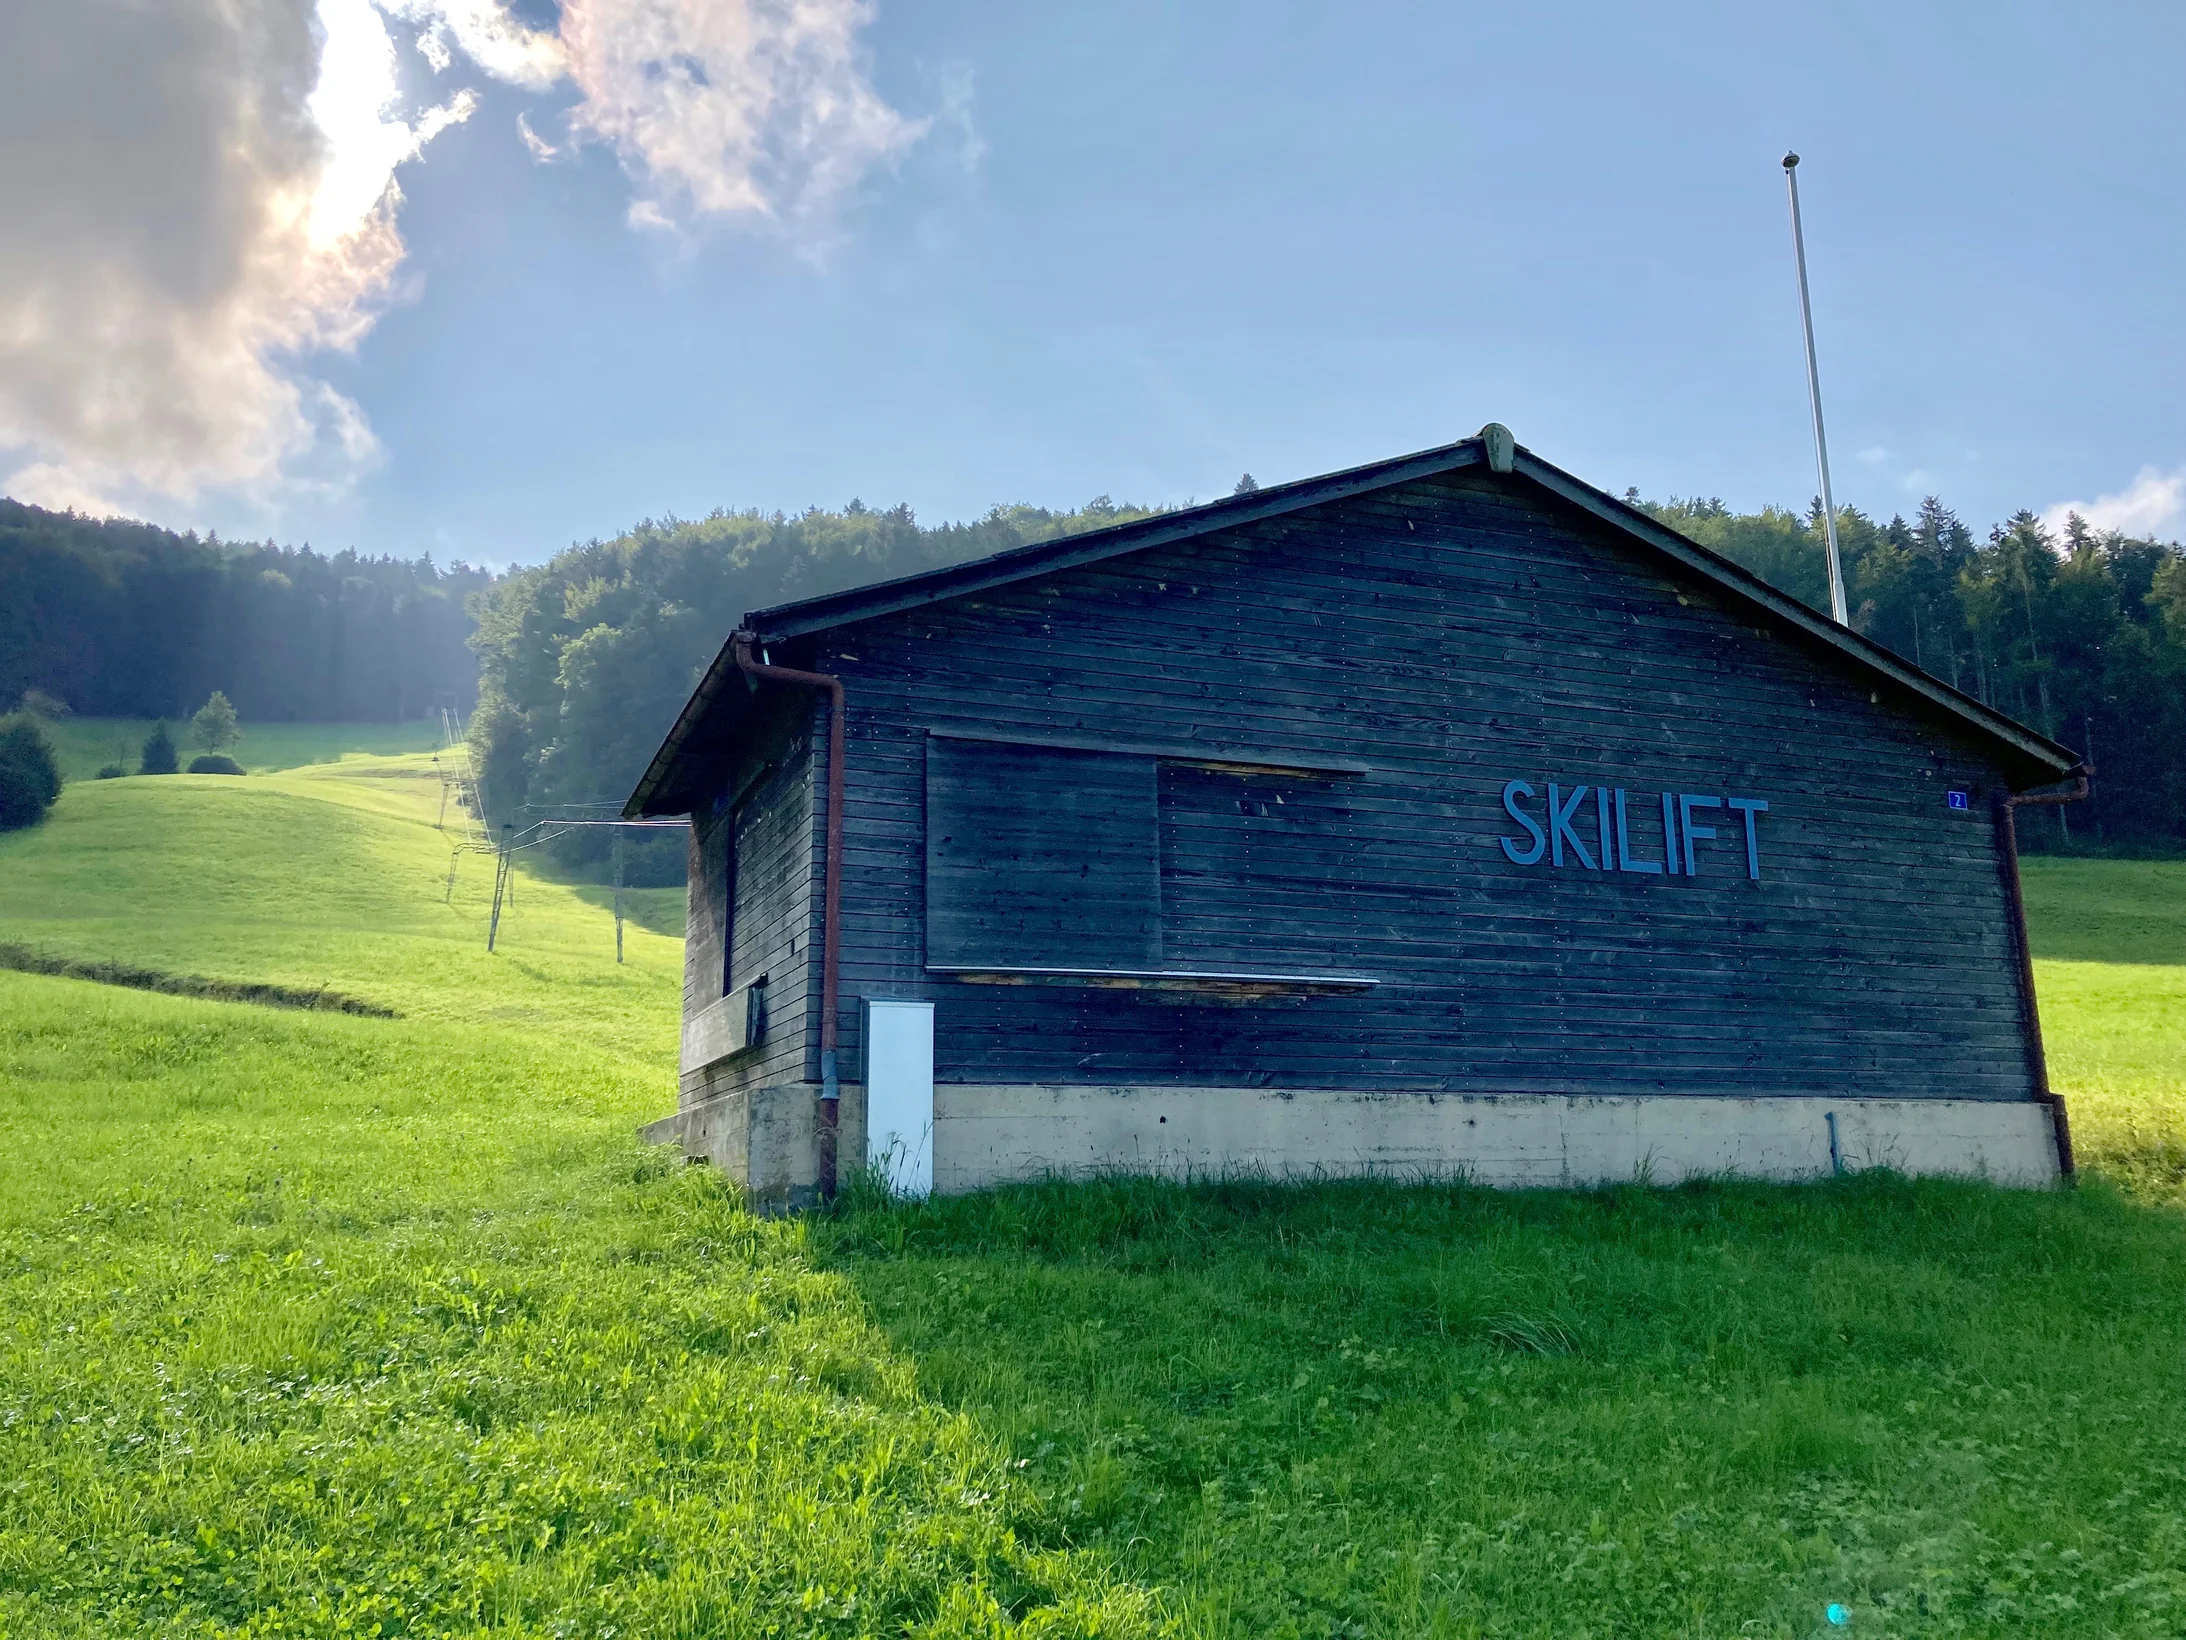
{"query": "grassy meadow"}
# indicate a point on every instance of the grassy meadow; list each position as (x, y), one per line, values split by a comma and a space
(313, 1324)
(84, 746)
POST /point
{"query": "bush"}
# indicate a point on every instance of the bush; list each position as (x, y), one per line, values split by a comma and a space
(214, 763)
(159, 752)
(112, 771)
(30, 777)
(20, 803)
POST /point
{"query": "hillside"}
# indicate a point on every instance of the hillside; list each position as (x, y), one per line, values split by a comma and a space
(86, 745)
(318, 1322)
(332, 875)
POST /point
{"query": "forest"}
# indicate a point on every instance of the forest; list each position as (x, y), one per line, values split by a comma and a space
(118, 619)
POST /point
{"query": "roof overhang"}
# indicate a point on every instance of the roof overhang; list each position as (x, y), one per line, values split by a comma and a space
(670, 786)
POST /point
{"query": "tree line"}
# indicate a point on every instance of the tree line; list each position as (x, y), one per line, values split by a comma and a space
(121, 619)
(579, 665)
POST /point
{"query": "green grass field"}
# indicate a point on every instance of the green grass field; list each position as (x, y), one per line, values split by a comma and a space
(322, 1325)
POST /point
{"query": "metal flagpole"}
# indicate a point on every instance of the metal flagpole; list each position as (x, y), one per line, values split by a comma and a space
(1814, 396)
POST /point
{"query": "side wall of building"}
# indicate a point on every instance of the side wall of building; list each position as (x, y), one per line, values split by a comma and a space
(754, 903)
(1453, 635)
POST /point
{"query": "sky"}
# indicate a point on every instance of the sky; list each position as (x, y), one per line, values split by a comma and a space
(447, 276)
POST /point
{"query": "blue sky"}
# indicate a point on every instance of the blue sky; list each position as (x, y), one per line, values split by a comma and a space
(1138, 249)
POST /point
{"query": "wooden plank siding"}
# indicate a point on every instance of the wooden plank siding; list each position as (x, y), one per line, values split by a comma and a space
(1037, 856)
(1450, 634)
(755, 876)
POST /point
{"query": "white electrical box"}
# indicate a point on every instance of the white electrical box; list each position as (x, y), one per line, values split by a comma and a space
(899, 1093)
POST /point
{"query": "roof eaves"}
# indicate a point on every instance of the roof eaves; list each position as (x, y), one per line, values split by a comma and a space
(2037, 748)
(654, 781)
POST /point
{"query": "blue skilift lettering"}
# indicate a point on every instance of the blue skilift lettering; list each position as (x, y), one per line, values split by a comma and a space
(1559, 826)
(1625, 860)
(1749, 807)
(1517, 856)
(1686, 803)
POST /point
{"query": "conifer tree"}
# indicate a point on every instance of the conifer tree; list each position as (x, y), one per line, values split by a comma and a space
(159, 752)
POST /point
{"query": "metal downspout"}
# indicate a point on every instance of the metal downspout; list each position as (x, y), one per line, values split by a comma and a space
(831, 914)
(2007, 806)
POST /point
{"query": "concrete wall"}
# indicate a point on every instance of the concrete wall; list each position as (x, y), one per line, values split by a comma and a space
(990, 1134)
(766, 1139)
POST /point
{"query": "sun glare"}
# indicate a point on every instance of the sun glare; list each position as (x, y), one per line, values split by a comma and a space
(351, 105)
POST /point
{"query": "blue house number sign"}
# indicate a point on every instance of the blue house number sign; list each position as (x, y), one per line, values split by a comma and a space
(1592, 827)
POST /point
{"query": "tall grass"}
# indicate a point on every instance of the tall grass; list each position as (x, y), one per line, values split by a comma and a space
(317, 1326)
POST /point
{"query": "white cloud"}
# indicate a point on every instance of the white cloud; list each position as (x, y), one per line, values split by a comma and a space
(483, 31)
(760, 108)
(2154, 502)
(198, 195)
(540, 149)
(1874, 455)
(201, 195)
(721, 107)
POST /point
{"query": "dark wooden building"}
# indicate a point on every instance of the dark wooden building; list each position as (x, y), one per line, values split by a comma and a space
(1445, 814)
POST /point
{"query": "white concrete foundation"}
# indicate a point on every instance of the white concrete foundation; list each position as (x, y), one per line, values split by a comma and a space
(767, 1138)
(985, 1135)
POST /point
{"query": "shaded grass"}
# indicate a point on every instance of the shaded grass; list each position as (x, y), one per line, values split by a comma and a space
(23, 960)
(2109, 938)
(1375, 1409)
(2110, 911)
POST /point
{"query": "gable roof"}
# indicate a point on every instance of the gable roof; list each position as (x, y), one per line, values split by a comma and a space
(668, 780)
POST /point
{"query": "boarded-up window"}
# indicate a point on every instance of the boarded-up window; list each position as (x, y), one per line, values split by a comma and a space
(1040, 857)
(1258, 871)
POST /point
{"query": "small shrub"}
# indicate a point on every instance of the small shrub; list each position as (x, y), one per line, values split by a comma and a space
(23, 740)
(159, 752)
(215, 763)
(112, 771)
(30, 777)
(20, 804)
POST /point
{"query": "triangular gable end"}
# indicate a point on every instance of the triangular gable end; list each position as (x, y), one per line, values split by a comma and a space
(667, 786)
